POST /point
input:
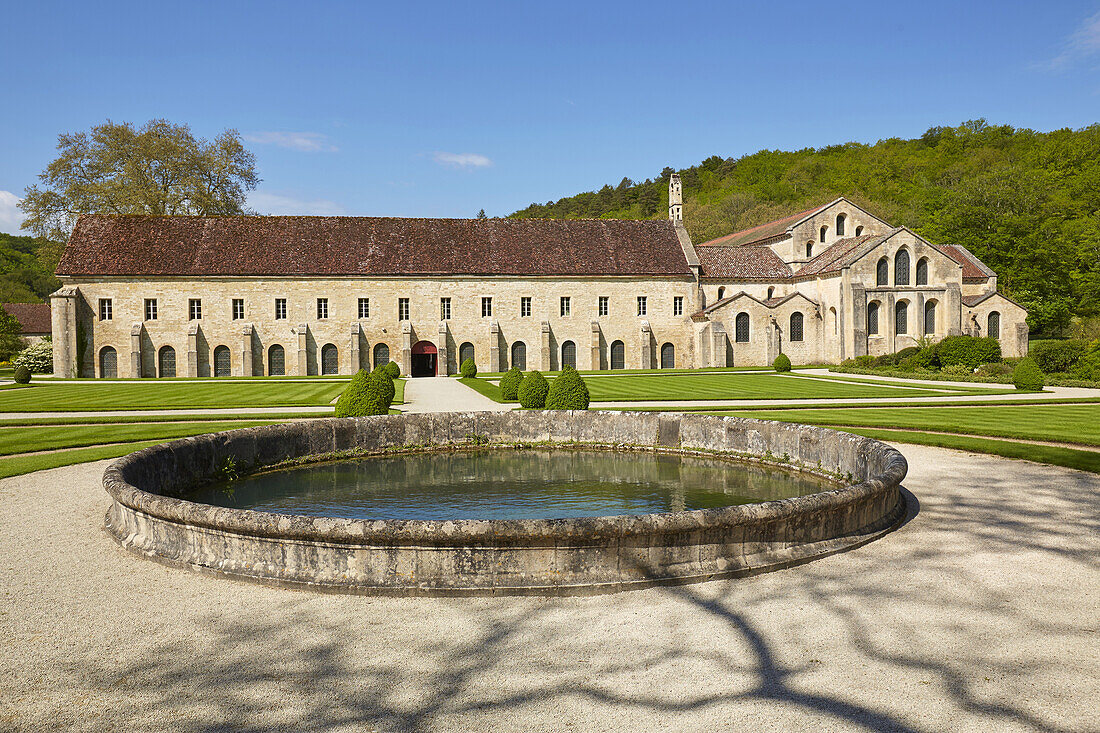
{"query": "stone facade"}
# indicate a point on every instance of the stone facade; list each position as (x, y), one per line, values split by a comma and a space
(831, 284)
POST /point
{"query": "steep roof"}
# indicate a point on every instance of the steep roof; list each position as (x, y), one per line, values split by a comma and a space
(334, 245)
(973, 268)
(33, 317)
(761, 232)
(742, 263)
(842, 253)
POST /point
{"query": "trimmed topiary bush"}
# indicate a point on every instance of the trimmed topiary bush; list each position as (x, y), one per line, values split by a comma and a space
(22, 375)
(384, 384)
(568, 391)
(532, 391)
(509, 384)
(468, 369)
(782, 363)
(1027, 375)
(1058, 356)
(361, 397)
(36, 357)
(970, 351)
(393, 369)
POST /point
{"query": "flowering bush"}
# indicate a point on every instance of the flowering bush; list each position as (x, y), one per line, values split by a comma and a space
(38, 358)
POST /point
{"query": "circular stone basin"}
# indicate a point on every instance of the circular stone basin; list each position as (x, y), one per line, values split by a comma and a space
(638, 499)
(534, 483)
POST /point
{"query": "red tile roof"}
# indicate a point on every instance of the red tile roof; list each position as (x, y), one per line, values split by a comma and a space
(33, 317)
(973, 268)
(841, 253)
(742, 263)
(761, 231)
(331, 245)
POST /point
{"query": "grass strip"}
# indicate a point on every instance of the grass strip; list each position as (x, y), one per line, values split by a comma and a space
(105, 396)
(483, 387)
(24, 440)
(11, 423)
(19, 465)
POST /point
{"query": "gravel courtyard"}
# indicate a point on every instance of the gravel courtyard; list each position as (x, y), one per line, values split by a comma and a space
(980, 613)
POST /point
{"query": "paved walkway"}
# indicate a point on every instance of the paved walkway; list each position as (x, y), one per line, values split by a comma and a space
(979, 614)
(445, 394)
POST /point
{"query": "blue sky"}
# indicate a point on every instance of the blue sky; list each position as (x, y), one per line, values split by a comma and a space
(440, 109)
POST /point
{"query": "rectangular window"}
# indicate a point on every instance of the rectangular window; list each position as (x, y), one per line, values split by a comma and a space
(194, 309)
(150, 309)
(364, 307)
(486, 307)
(106, 310)
(444, 309)
(605, 305)
(238, 309)
(641, 305)
(402, 309)
(322, 308)
(280, 309)
(677, 305)
(565, 306)
(525, 307)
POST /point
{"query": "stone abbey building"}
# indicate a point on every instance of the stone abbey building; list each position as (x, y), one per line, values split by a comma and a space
(147, 296)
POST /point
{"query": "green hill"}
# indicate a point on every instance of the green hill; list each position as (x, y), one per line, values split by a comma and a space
(26, 269)
(1026, 202)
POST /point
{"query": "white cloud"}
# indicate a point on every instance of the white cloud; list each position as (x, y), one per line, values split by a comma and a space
(10, 215)
(278, 204)
(303, 142)
(1082, 44)
(462, 160)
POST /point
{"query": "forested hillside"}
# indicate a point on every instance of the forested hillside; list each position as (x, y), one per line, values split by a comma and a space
(26, 269)
(1026, 202)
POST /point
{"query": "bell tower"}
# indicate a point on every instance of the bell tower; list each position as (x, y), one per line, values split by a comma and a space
(675, 200)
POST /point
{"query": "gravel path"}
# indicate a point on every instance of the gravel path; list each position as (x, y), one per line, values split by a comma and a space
(444, 394)
(979, 614)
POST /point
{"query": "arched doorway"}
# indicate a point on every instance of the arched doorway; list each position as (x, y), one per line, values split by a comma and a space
(166, 358)
(381, 355)
(108, 363)
(569, 354)
(330, 359)
(276, 361)
(519, 356)
(424, 359)
(668, 356)
(618, 355)
(222, 362)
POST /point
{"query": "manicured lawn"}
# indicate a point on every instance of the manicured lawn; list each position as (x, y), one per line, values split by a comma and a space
(1074, 423)
(18, 465)
(150, 394)
(24, 439)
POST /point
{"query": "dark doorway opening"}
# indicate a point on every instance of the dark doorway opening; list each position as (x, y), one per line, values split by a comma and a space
(424, 359)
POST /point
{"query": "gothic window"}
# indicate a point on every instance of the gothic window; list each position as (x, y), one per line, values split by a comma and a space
(108, 362)
(381, 355)
(840, 224)
(930, 317)
(922, 271)
(901, 317)
(330, 359)
(993, 325)
(276, 361)
(668, 356)
(901, 268)
(796, 327)
(618, 355)
(809, 250)
(166, 362)
(823, 233)
(872, 318)
(741, 328)
(569, 354)
(882, 273)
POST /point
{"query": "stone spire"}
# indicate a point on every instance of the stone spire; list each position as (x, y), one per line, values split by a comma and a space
(675, 200)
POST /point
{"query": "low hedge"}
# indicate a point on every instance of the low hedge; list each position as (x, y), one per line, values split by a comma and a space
(1058, 356)
(568, 392)
(468, 369)
(509, 384)
(782, 363)
(969, 351)
(532, 391)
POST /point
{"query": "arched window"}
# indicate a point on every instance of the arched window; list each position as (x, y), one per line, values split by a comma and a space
(381, 355)
(836, 323)
(668, 356)
(796, 327)
(929, 317)
(569, 354)
(721, 293)
(872, 318)
(222, 362)
(166, 362)
(108, 362)
(823, 233)
(901, 268)
(519, 356)
(993, 325)
(882, 272)
(330, 359)
(466, 351)
(771, 292)
(741, 328)
(809, 250)
(901, 317)
(859, 230)
(840, 224)
(922, 271)
(618, 355)
(276, 361)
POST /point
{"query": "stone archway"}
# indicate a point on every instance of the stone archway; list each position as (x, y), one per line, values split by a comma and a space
(424, 359)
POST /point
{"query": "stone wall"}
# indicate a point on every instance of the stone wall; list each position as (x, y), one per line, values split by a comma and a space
(601, 554)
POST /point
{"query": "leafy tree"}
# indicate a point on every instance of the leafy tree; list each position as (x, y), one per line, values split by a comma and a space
(159, 168)
(11, 338)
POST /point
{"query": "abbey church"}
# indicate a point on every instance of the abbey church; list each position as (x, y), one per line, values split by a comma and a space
(148, 296)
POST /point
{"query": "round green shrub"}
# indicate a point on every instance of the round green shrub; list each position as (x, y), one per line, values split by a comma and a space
(509, 384)
(568, 392)
(361, 397)
(782, 363)
(384, 384)
(22, 375)
(1027, 375)
(393, 369)
(468, 369)
(532, 391)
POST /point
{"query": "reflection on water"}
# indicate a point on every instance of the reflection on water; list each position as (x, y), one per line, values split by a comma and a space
(508, 484)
